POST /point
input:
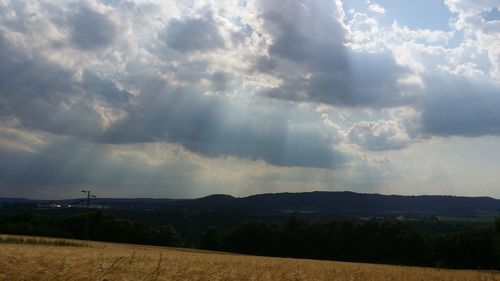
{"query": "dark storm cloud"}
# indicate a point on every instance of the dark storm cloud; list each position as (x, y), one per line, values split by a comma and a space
(454, 106)
(40, 94)
(44, 96)
(213, 126)
(104, 89)
(190, 108)
(195, 34)
(69, 162)
(369, 80)
(265, 64)
(325, 71)
(220, 80)
(60, 162)
(91, 29)
(323, 50)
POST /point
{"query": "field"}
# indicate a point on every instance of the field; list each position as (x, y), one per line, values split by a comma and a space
(52, 259)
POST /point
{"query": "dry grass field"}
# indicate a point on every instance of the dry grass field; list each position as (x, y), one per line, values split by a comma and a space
(108, 261)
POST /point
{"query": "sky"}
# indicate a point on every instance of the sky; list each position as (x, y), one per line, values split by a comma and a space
(183, 99)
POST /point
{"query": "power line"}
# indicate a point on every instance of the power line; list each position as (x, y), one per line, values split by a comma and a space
(89, 195)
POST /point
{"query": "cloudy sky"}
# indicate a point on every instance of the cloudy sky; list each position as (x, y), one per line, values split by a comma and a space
(189, 98)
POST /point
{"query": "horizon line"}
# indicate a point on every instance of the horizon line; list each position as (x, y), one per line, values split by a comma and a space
(256, 194)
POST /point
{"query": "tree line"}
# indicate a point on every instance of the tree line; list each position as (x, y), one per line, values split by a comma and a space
(390, 242)
(94, 226)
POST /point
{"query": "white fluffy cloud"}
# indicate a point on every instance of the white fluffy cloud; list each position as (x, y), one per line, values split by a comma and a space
(379, 135)
(376, 8)
(293, 85)
(486, 33)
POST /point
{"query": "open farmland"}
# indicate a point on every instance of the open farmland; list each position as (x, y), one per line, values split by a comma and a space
(108, 261)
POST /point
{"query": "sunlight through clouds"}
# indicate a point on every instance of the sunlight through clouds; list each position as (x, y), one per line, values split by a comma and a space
(161, 98)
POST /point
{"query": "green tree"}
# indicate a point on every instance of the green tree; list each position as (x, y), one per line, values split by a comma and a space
(212, 239)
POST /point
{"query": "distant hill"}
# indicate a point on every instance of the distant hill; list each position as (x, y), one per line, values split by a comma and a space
(340, 203)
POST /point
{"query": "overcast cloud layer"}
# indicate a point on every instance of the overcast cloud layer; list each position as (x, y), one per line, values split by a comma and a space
(188, 98)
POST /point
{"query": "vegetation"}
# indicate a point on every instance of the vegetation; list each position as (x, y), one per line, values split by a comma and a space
(389, 242)
(113, 262)
(40, 241)
(101, 227)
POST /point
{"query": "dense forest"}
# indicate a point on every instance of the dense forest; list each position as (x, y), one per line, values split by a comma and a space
(94, 226)
(384, 241)
(390, 242)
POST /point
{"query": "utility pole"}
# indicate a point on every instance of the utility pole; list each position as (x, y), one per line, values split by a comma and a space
(89, 195)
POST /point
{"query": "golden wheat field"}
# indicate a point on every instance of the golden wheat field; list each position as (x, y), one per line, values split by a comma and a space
(53, 260)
